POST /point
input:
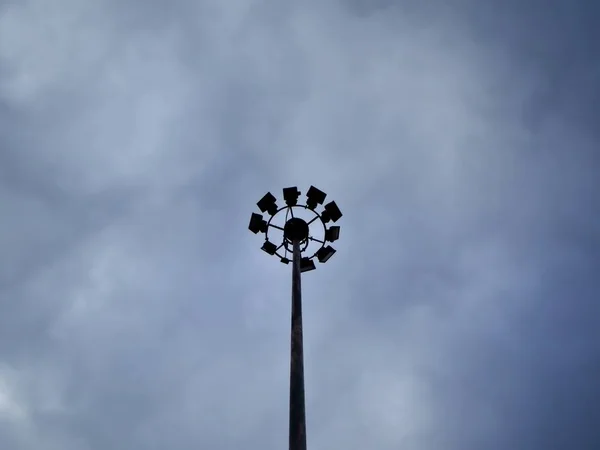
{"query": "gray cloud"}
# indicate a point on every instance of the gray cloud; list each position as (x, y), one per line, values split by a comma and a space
(136, 311)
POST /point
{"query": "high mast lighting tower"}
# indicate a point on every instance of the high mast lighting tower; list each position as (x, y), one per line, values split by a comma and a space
(299, 234)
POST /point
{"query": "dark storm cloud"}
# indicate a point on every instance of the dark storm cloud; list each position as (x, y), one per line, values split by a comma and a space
(134, 305)
(553, 401)
(557, 40)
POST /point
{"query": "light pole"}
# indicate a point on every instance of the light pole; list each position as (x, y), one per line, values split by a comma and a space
(298, 239)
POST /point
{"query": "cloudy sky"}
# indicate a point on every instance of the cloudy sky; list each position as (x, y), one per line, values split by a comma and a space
(460, 138)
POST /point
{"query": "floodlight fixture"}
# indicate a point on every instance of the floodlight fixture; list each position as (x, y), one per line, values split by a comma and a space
(257, 224)
(332, 234)
(299, 235)
(325, 253)
(307, 264)
(314, 197)
(268, 204)
(332, 212)
(269, 247)
(290, 196)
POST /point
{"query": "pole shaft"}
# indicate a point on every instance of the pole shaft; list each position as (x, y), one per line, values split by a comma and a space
(297, 405)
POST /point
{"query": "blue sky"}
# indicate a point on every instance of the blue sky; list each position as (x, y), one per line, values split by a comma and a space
(460, 140)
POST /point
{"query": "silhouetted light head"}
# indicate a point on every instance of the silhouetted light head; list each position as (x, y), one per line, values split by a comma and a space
(290, 195)
(269, 247)
(257, 224)
(268, 204)
(314, 197)
(307, 265)
(332, 234)
(325, 253)
(285, 260)
(332, 212)
(296, 229)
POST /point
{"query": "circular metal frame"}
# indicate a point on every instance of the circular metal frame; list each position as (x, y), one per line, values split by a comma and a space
(285, 248)
(286, 244)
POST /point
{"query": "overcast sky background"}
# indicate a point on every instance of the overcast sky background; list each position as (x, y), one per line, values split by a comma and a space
(460, 138)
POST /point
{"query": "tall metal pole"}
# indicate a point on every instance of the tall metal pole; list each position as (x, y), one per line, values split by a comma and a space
(297, 406)
(297, 232)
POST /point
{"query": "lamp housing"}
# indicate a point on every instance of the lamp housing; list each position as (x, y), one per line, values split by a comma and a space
(268, 204)
(290, 196)
(257, 224)
(307, 264)
(269, 247)
(332, 212)
(332, 234)
(325, 253)
(314, 197)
